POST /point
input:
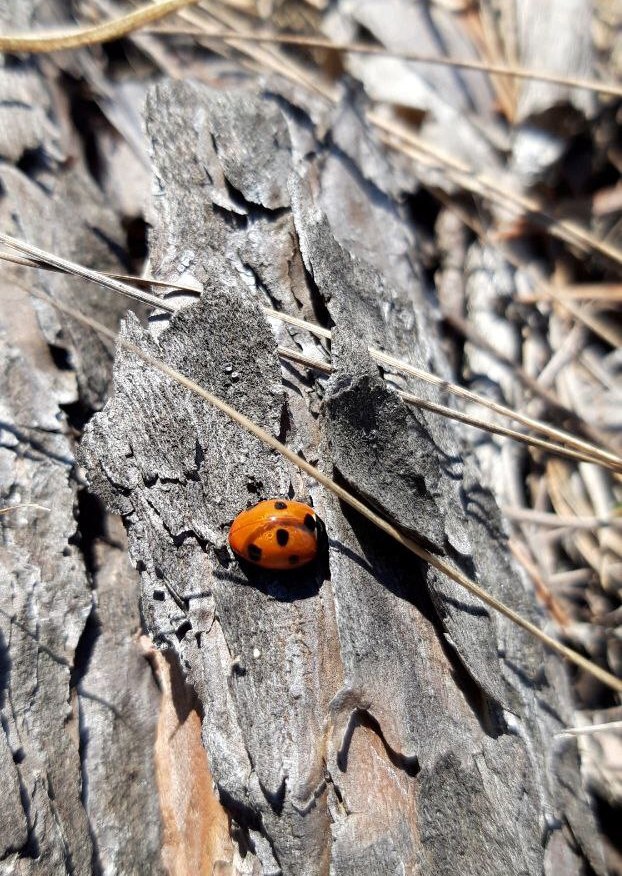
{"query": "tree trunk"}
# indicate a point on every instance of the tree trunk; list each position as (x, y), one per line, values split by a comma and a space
(360, 715)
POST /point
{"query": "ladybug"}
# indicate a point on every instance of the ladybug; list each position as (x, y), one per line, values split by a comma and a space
(276, 534)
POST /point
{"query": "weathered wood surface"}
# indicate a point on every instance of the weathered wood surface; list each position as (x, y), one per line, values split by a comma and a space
(371, 718)
(365, 715)
(78, 704)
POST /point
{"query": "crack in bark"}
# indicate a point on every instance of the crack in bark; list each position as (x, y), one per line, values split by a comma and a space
(362, 717)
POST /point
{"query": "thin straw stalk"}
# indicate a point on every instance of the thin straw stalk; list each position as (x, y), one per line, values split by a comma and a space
(72, 38)
(410, 544)
(587, 451)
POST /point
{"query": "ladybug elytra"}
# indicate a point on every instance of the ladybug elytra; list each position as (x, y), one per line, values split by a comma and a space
(276, 534)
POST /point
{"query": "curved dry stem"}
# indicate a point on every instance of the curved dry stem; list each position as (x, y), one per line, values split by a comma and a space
(72, 38)
(406, 541)
(467, 419)
(583, 450)
(358, 48)
(24, 505)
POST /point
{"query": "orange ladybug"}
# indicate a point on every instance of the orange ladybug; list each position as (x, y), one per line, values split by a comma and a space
(276, 534)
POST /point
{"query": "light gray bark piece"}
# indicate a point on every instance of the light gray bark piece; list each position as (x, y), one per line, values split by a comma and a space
(365, 152)
(25, 109)
(118, 716)
(45, 600)
(83, 763)
(13, 825)
(556, 36)
(54, 734)
(458, 104)
(343, 733)
(50, 221)
(407, 463)
(261, 176)
(542, 698)
(408, 27)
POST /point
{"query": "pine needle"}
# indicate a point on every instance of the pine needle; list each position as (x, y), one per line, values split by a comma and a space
(590, 729)
(595, 453)
(406, 541)
(556, 521)
(23, 505)
(467, 419)
(603, 292)
(358, 48)
(398, 136)
(581, 450)
(504, 431)
(78, 270)
(39, 264)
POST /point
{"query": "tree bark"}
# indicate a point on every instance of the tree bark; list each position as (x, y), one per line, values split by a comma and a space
(363, 714)
(78, 703)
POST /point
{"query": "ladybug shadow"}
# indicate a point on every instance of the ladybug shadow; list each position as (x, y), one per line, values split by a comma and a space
(400, 572)
(288, 585)
(285, 586)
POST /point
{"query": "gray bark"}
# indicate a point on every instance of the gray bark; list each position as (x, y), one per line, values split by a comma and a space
(362, 714)
(78, 705)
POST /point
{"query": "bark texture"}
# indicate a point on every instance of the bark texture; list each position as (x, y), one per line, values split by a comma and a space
(78, 704)
(364, 714)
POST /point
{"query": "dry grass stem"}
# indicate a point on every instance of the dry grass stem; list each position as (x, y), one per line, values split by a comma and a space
(554, 608)
(497, 429)
(467, 419)
(317, 42)
(401, 137)
(71, 38)
(398, 136)
(579, 449)
(441, 565)
(591, 728)
(80, 271)
(464, 328)
(407, 140)
(264, 57)
(580, 292)
(544, 518)
(605, 330)
(24, 505)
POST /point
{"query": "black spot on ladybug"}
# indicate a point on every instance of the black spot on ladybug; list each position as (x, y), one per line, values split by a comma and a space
(280, 506)
(294, 560)
(282, 537)
(254, 553)
(309, 522)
